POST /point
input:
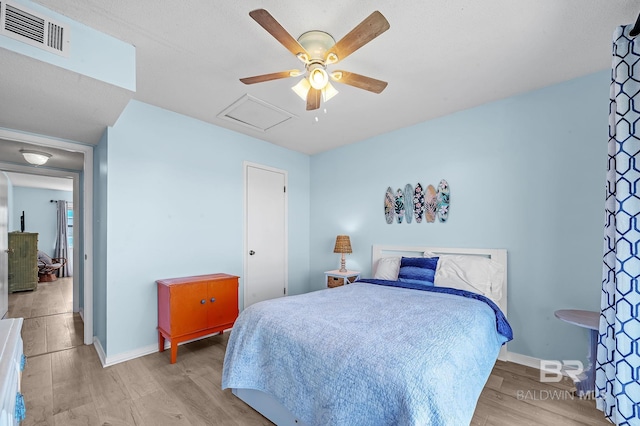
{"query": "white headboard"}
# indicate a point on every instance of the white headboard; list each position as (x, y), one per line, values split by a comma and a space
(498, 255)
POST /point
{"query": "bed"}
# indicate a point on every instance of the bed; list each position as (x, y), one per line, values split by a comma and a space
(385, 350)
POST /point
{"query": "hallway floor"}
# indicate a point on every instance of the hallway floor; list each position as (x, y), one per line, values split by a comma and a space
(50, 325)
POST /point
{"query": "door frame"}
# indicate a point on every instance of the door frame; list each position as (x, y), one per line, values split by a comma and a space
(245, 243)
(87, 205)
(4, 246)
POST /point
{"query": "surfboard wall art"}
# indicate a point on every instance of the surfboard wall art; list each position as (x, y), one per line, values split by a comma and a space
(419, 202)
(408, 202)
(389, 205)
(443, 201)
(430, 204)
(399, 205)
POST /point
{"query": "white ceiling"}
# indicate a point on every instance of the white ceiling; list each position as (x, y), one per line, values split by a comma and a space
(40, 182)
(438, 57)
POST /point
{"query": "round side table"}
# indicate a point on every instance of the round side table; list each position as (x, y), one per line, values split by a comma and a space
(591, 320)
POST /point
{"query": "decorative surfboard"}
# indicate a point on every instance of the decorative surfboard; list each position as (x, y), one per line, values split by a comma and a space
(389, 205)
(408, 202)
(443, 201)
(430, 204)
(399, 205)
(418, 203)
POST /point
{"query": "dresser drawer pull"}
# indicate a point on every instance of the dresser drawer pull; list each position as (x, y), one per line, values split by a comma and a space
(213, 299)
(203, 301)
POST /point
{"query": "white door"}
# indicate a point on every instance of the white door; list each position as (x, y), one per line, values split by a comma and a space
(4, 244)
(266, 234)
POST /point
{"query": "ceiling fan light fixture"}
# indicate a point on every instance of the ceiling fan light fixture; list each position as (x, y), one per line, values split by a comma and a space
(302, 88)
(332, 58)
(336, 75)
(37, 158)
(318, 77)
(328, 92)
(317, 50)
(316, 43)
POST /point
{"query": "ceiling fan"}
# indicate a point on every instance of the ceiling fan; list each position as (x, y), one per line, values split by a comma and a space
(317, 50)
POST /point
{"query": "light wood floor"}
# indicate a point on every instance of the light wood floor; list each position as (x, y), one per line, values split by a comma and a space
(68, 386)
(49, 322)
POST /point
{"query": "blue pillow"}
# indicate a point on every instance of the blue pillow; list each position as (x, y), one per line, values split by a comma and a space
(418, 270)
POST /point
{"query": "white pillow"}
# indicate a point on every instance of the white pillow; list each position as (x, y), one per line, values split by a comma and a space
(387, 269)
(471, 273)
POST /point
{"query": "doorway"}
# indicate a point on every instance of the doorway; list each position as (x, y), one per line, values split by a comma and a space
(4, 245)
(83, 202)
(266, 247)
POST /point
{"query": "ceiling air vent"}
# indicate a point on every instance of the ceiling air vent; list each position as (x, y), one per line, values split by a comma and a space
(33, 28)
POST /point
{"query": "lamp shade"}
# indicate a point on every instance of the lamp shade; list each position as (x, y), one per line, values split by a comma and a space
(343, 244)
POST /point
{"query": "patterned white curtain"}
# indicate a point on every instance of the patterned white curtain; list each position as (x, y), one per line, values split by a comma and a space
(618, 352)
(62, 241)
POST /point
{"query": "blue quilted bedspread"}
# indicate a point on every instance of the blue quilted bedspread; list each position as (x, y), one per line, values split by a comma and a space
(366, 354)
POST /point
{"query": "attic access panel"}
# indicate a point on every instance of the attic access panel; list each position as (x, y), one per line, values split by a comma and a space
(254, 113)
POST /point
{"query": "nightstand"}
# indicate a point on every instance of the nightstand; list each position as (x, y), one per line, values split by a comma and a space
(336, 278)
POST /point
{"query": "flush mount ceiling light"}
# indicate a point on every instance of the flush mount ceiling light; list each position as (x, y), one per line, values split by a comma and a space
(37, 158)
(317, 50)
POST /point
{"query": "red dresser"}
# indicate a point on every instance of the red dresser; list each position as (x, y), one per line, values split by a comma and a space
(193, 307)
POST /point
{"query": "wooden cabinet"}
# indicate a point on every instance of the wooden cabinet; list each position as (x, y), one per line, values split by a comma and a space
(194, 307)
(23, 261)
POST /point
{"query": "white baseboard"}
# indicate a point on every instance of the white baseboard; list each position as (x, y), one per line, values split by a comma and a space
(108, 361)
(526, 360)
(536, 363)
(126, 356)
(98, 346)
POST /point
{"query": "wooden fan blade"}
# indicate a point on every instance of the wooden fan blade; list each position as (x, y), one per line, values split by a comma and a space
(268, 77)
(359, 81)
(374, 25)
(272, 26)
(313, 99)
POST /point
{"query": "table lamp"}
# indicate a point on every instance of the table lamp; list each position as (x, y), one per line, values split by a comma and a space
(343, 245)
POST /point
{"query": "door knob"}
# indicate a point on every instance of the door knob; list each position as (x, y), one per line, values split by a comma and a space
(251, 252)
(213, 299)
(203, 301)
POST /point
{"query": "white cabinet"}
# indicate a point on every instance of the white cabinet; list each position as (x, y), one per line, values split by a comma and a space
(11, 363)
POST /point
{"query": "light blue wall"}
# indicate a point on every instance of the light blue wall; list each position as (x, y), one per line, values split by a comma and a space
(91, 53)
(526, 174)
(40, 214)
(174, 207)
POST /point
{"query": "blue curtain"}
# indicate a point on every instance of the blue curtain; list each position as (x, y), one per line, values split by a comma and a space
(618, 353)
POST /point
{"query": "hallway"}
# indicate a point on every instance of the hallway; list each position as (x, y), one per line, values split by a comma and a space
(50, 325)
